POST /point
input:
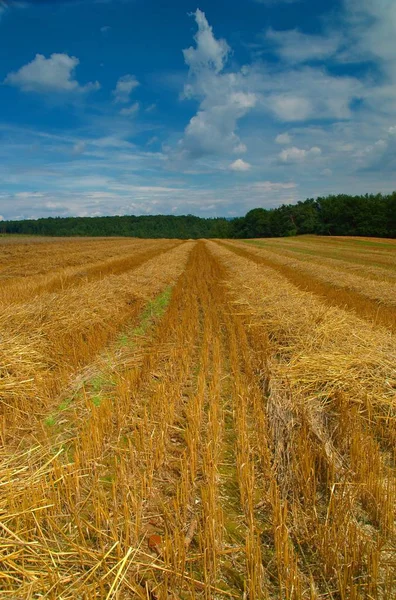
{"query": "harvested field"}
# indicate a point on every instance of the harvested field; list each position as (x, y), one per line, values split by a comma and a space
(187, 420)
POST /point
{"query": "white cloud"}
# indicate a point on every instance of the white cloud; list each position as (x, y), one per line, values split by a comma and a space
(362, 31)
(379, 155)
(105, 29)
(152, 189)
(271, 186)
(54, 74)
(209, 52)
(79, 148)
(24, 195)
(298, 155)
(373, 26)
(153, 140)
(291, 108)
(291, 92)
(283, 138)
(293, 46)
(130, 110)
(332, 129)
(3, 7)
(373, 152)
(107, 198)
(224, 97)
(305, 93)
(124, 88)
(240, 149)
(240, 165)
(111, 141)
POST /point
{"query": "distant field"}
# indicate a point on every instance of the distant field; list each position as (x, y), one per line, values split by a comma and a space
(197, 419)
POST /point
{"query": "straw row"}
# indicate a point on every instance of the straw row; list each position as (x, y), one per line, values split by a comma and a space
(336, 293)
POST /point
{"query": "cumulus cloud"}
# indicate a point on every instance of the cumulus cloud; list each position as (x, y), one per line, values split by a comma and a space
(370, 155)
(49, 75)
(298, 155)
(363, 33)
(306, 93)
(379, 155)
(314, 122)
(240, 149)
(292, 92)
(291, 108)
(302, 87)
(124, 88)
(224, 97)
(130, 110)
(373, 26)
(293, 46)
(240, 165)
(283, 138)
(209, 52)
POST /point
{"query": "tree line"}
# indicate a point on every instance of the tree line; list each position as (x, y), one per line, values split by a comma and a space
(372, 215)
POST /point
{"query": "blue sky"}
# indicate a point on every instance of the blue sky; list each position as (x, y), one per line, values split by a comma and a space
(203, 107)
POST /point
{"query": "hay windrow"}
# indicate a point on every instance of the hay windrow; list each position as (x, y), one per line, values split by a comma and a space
(195, 427)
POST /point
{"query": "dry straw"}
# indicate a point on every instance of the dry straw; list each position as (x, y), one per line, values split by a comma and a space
(235, 442)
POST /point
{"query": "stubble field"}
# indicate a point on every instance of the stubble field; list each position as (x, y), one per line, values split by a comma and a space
(198, 419)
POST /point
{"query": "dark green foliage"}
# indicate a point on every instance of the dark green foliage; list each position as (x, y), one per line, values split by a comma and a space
(354, 215)
(369, 215)
(155, 226)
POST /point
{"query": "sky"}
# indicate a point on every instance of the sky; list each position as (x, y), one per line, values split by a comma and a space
(204, 107)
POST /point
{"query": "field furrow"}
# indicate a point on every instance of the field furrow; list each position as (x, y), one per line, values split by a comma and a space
(341, 261)
(367, 298)
(21, 258)
(23, 288)
(383, 292)
(197, 427)
(47, 340)
(324, 370)
(356, 251)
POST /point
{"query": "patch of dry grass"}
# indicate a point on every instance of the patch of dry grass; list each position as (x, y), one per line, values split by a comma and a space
(232, 439)
(330, 412)
(25, 275)
(46, 340)
(360, 297)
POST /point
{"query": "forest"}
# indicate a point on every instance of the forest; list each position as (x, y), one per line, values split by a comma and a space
(371, 215)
